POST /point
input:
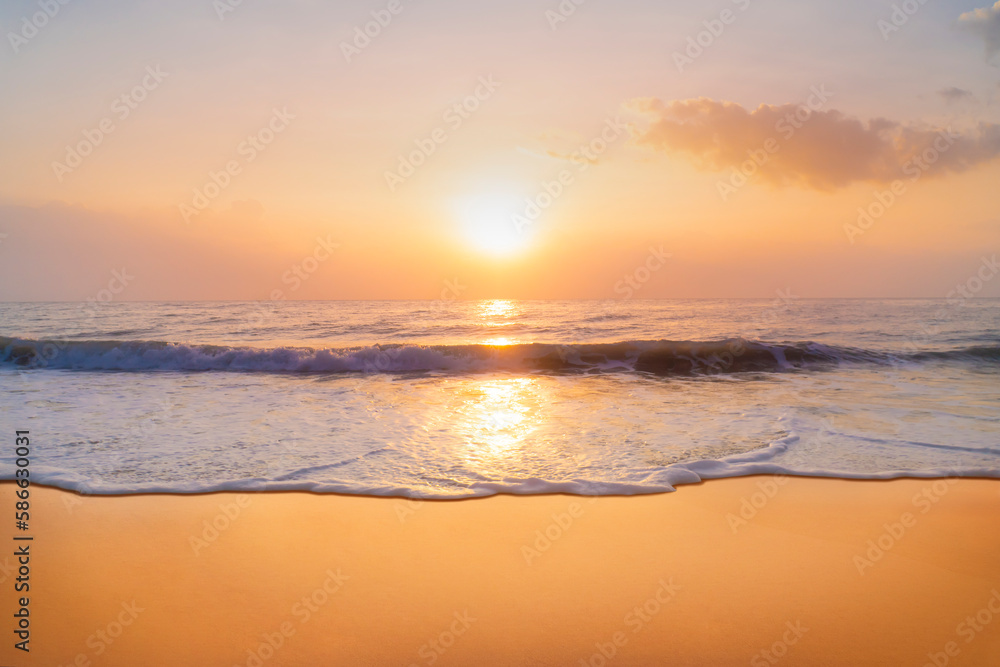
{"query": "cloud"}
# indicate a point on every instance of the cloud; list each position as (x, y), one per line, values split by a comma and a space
(954, 94)
(576, 156)
(984, 23)
(823, 150)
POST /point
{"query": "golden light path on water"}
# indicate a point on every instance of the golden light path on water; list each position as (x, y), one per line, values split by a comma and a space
(496, 314)
(496, 416)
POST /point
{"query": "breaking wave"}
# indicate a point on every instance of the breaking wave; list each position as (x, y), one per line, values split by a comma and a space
(654, 357)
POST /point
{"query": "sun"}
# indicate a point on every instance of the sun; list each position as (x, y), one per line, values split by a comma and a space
(493, 224)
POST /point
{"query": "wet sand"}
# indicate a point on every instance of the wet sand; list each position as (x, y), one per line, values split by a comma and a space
(749, 571)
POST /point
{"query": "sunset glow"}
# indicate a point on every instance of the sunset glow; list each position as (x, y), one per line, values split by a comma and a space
(432, 149)
(527, 332)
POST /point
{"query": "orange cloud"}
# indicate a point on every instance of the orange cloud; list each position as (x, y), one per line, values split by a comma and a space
(793, 144)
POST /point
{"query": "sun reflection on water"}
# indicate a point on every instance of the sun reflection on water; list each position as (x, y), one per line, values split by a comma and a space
(497, 416)
(493, 416)
(500, 341)
(493, 309)
(495, 314)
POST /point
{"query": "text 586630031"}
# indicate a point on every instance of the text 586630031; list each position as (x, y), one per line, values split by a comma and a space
(22, 509)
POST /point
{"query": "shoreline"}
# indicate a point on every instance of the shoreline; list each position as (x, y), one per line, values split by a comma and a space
(677, 487)
(810, 570)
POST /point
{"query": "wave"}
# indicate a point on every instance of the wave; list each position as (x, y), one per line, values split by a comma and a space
(653, 357)
(659, 479)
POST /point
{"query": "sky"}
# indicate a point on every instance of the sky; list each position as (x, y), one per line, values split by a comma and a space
(425, 149)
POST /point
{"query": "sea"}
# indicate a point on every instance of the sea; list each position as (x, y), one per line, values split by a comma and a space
(456, 399)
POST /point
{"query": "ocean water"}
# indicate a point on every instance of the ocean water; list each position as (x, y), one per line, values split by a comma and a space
(452, 399)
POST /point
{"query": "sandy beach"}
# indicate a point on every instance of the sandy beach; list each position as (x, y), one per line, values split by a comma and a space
(651, 304)
(747, 571)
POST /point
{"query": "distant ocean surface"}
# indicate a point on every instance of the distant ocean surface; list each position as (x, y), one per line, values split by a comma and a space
(452, 399)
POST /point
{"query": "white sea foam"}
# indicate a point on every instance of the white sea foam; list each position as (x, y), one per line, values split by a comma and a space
(616, 399)
(637, 482)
